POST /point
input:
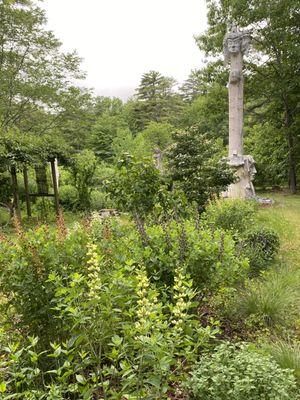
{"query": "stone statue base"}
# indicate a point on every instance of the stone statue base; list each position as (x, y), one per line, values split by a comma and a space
(244, 169)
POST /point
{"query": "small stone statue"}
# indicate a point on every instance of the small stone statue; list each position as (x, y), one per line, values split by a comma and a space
(236, 43)
(158, 159)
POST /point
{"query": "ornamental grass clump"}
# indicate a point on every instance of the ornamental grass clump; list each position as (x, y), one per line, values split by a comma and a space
(286, 354)
(273, 300)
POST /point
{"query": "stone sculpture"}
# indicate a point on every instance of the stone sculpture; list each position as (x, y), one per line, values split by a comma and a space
(158, 159)
(236, 44)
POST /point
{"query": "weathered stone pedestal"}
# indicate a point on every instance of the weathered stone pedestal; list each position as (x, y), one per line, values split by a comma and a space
(244, 171)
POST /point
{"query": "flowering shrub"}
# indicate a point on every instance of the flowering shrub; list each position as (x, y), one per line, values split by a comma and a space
(97, 324)
(208, 255)
(25, 267)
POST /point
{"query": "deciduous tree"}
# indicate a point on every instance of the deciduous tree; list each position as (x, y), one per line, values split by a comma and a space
(272, 72)
(196, 166)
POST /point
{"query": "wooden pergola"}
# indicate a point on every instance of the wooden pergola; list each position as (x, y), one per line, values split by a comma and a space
(23, 151)
(28, 195)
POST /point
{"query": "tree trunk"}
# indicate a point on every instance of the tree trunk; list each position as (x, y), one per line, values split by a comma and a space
(14, 182)
(26, 186)
(291, 161)
(55, 186)
(292, 166)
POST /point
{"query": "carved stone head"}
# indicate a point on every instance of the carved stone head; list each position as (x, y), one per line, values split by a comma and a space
(235, 41)
(234, 45)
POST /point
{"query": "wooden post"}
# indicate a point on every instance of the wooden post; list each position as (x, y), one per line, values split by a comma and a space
(55, 186)
(26, 186)
(14, 181)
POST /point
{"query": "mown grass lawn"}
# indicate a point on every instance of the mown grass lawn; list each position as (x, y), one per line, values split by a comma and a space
(284, 218)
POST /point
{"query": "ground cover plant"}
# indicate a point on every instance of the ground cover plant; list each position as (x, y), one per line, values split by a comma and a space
(238, 372)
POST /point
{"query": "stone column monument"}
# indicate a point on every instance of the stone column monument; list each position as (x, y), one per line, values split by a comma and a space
(236, 44)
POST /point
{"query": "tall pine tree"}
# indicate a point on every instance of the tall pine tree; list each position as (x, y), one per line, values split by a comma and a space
(155, 100)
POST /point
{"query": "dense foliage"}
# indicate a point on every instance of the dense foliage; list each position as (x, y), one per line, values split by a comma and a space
(196, 167)
(260, 246)
(134, 185)
(95, 321)
(110, 307)
(238, 372)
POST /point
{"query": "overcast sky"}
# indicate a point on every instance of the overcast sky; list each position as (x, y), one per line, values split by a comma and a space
(120, 40)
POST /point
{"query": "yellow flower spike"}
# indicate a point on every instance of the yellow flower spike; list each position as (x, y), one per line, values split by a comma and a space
(94, 280)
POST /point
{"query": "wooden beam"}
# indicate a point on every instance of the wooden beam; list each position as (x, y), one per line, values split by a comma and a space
(14, 183)
(41, 194)
(55, 186)
(26, 186)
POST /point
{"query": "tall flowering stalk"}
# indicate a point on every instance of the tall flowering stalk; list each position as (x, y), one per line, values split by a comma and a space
(18, 226)
(183, 296)
(61, 225)
(152, 360)
(148, 311)
(94, 271)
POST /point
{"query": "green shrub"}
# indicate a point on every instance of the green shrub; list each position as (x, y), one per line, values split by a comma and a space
(260, 246)
(24, 272)
(171, 204)
(43, 207)
(100, 200)
(208, 256)
(236, 216)
(237, 372)
(83, 169)
(135, 185)
(68, 197)
(5, 187)
(196, 167)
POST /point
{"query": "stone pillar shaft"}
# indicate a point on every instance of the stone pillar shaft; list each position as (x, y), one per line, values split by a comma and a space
(235, 45)
(236, 105)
